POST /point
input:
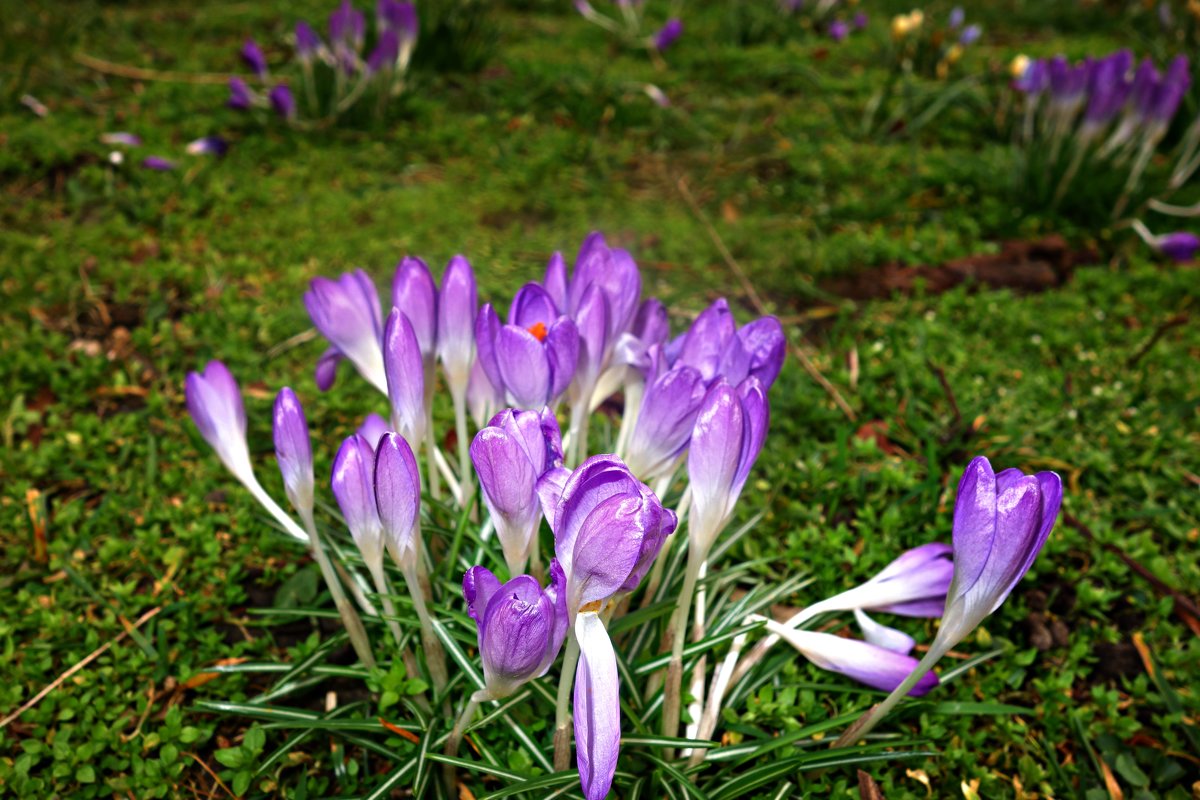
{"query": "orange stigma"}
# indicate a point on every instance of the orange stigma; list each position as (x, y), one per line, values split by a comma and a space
(538, 329)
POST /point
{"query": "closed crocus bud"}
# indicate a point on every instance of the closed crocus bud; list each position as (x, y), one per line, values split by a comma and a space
(253, 58)
(729, 433)
(970, 35)
(593, 322)
(1001, 522)
(158, 163)
(483, 399)
(608, 529)
(1109, 89)
(861, 20)
(207, 146)
(214, 402)
(293, 451)
(397, 495)
(387, 50)
(308, 43)
(705, 343)
(957, 17)
(346, 312)
(458, 304)
(372, 429)
(865, 662)
(555, 280)
(838, 30)
(353, 485)
(521, 626)
(1178, 246)
(400, 17)
(241, 96)
(668, 34)
(405, 370)
(282, 101)
(415, 293)
(664, 423)
(1171, 90)
(510, 455)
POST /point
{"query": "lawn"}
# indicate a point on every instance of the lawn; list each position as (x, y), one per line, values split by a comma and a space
(126, 544)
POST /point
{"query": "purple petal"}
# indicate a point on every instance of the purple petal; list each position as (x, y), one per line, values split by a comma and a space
(532, 306)
(482, 397)
(354, 489)
(282, 101)
(882, 636)
(766, 344)
(756, 413)
(714, 457)
(668, 34)
(414, 293)
(405, 371)
(864, 662)
(346, 312)
(253, 58)
(706, 340)
(457, 306)
(372, 429)
(524, 367)
(479, 586)
(562, 350)
(509, 483)
(397, 491)
(487, 332)
(592, 319)
(293, 450)
(974, 524)
(555, 280)
(517, 630)
(597, 708)
(665, 421)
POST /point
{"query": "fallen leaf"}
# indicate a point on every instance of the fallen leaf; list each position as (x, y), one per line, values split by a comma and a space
(868, 789)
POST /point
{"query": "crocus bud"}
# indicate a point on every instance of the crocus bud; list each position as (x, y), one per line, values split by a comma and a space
(253, 58)
(241, 96)
(1178, 246)
(405, 371)
(353, 485)
(597, 707)
(521, 627)
(372, 429)
(510, 455)
(207, 145)
(282, 101)
(308, 43)
(592, 319)
(970, 35)
(861, 20)
(1001, 522)
(838, 30)
(397, 495)
(346, 312)
(458, 304)
(347, 26)
(415, 293)
(215, 405)
(400, 17)
(664, 423)
(555, 281)
(667, 35)
(956, 19)
(158, 163)
(293, 451)
(608, 528)
(615, 273)
(386, 51)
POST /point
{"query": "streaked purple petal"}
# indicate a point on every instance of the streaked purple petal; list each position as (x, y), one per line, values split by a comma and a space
(397, 491)
(414, 293)
(524, 367)
(597, 708)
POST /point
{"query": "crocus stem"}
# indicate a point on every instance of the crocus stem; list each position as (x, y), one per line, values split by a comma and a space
(350, 618)
(696, 687)
(867, 722)
(1135, 175)
(466, 485)
(673, 688)
(535, 558)
(580, 418)
(385, 598)
(633, 406)
(435, 480)
(562, 713)
(1069, 175)
(464, 719)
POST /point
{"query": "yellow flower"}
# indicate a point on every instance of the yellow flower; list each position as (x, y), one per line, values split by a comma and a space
(916, 17)
(1019, 65)
(900, 26)
(954, 54)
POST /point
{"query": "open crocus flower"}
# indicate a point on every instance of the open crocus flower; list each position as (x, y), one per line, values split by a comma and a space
(215, 404)
(664, 422)
(729, 433)
(346, 312)
(913, 585)
(608, 529)
(521, 626)
(510, 455)
(718, 348)
(533, 357)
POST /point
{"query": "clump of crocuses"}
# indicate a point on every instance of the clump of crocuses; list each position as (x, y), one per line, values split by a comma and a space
(605, 505)
(326, 77)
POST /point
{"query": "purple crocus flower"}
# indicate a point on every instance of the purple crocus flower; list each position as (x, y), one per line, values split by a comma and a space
(158, 163)
(293, 451)
(253, 58)
(715, 346)
(1034, 80)
(865, 662)
(397, 483)
(121, 138)
(241, 96)
(346, 312)
(415, 293)
(970, 35)
(667, 35)
(533, 357)
(214, 402)
(1001, 522)
(353, 484)
(860, 21)
(730, 429)
(521, 626)
(665, 421)
(404, 368)
(1179, 246)
(208, 145)
(458, 305)
(838, 30)
(1109, 87)
(483, 399)
(282, 101)
(308, 42)
(1068, 83)
(650, 328)
(957, 18)
(373, 428)
(347, 26)
(1170, 92)
(510, 455)
(386, 51)
(398, 16)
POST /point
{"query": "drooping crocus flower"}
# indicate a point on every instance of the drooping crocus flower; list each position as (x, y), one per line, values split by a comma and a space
(207, 145)
(729, 433)
(608, 529)
(346, 312)
(241, 96)
(214, 402)
(533, 357)
(293, 451)
(308, 42)
(510, 455)
(458, 305)
(668, 34)
(1178, 246)
(252, 57)
(521, 627)
(664, 422)
(865, 662)
(121, 138)
(838, 30)
(397, 496)
(353, 484)
(158, 163)
(282, 101)
(405, 371)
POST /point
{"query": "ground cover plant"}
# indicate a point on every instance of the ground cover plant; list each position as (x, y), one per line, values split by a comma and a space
(127, 545)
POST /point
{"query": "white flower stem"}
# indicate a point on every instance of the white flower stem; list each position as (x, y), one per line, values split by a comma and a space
(464, 719)
(867, 722)
(350, 618)
(435, 656)
(677, 633)
(562, 712)
(465, 484)
(578, 432)
(385, 598)
(435, 481)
